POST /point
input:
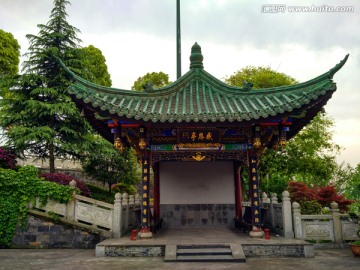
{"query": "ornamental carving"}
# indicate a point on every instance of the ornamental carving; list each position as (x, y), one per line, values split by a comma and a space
(160, 140)
(199, 157)
(210, 155)
(93, 214)
(184, 146)
(316, 230)
(349, 230)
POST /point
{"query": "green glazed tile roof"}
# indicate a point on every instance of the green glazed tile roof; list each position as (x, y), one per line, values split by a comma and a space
(199, 97)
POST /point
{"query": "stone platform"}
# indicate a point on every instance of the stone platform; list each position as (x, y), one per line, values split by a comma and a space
(251, 247)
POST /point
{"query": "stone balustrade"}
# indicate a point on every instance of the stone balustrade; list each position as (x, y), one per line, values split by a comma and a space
(334, 227)
(111, 220)
(278, 215)
(115, 220)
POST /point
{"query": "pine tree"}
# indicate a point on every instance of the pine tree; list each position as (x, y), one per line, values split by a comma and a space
(38, 114)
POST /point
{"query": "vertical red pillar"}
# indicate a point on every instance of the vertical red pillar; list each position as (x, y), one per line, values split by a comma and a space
(254, 187)
(145, 194)
(145, 184)
(156, 168)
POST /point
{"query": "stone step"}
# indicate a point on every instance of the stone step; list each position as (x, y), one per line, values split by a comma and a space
(205, 258)
(204, 253)
(202, 246)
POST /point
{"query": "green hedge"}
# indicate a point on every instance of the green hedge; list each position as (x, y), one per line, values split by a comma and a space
(101, 194)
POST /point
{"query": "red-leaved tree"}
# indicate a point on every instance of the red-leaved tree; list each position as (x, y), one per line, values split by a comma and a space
(7, 159)
(326, 195)
(300, 191)
(64, 179)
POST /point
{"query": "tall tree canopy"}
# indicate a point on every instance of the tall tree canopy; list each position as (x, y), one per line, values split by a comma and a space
(260, 77)
(9, 54)
(92, 65)
(352, 187)
(155, 79)
(37, 113)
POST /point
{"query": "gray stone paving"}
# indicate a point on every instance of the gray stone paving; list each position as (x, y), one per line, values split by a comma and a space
(79, 259)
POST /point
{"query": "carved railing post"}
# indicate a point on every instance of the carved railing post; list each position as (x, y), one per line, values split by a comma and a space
(131, 210)
(286, 215)
(117, 214)
(125, 203)
(131, 200)
(137, 199)
(297, 220)
(273, 201)
(264, 198)
(70, 206)
(334, 208)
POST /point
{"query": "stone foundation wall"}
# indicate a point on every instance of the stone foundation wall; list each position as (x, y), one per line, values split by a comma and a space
(135, 251)
(278, 250)
(47, 234)
(197, 215)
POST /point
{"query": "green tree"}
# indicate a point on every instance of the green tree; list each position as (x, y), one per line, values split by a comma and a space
(264, 77)
(155, 79)
(308, 157)
(108, 166)
(260, 77)
(9, 64)
(38, 114)
(352, 186)
(9, 54)
(92, 65)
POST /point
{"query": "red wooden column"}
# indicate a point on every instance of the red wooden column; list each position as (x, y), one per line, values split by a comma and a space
(255, 196)
(238, 196)
(145, 206)
(156, 168)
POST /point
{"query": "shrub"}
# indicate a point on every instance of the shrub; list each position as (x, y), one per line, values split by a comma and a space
(101, 194)
(310, 207)
(7, 159)
(355, 208)
(124, 188)
(64, 179)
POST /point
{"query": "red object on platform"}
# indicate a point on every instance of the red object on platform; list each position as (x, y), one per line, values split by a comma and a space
(267, 234)
(133, 235)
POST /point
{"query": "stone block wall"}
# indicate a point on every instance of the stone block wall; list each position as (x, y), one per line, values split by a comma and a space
(41, 233)
(197, 215)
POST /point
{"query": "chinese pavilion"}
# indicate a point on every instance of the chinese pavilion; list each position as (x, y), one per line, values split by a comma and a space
(196, 134)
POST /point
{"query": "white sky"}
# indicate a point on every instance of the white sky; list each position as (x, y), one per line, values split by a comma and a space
(138, 36)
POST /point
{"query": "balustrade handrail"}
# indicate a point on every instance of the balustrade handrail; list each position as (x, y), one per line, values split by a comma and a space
(108, 219)
(93, 201)
(318, 216)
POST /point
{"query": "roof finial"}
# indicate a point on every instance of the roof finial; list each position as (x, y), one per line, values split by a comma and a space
(196, 57)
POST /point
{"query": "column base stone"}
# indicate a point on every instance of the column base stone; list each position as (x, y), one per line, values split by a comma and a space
(145, 233)
(256, 233)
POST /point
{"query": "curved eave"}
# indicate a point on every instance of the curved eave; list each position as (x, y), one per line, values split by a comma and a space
(199, 97)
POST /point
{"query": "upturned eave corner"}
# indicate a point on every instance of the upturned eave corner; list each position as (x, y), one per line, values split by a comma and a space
(338, 66)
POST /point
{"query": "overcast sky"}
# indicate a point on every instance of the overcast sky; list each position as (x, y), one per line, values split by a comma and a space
(139, 36)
